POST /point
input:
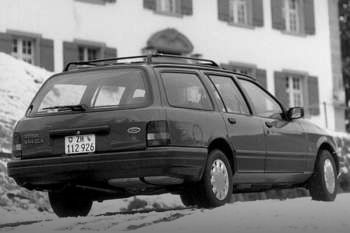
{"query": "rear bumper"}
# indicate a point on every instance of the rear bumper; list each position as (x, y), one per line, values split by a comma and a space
(178, 162)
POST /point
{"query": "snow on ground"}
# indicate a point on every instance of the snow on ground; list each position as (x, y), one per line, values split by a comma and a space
(19, 81)
(165, 201)
(159, 202)
(268, 216)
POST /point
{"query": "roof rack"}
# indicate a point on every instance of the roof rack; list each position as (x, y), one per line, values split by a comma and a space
(145, 59)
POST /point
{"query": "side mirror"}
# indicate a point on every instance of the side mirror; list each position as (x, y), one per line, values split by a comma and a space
(295, 113)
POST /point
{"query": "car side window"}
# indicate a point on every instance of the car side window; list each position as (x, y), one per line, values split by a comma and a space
(186, 91)
(264, 104)
(230, 94)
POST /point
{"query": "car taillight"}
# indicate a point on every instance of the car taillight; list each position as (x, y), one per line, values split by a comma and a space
(158, 133)
(17, 145)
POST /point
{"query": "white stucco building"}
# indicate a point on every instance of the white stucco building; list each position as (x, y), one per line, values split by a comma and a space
(291, 46)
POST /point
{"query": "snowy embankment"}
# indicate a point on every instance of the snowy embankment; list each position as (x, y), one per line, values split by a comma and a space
(19, 82)
(270, 216)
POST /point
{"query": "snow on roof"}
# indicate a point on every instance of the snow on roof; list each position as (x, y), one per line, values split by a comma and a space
(19, 81)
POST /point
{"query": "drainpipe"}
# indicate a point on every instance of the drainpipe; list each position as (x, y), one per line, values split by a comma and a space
(325, 114)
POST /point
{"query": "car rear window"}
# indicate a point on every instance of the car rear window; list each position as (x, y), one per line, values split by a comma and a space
(119, 88)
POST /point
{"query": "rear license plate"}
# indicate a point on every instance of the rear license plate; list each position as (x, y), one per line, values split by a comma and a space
(80, 144)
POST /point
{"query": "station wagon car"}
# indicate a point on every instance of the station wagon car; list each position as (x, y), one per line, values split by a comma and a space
(121, 127)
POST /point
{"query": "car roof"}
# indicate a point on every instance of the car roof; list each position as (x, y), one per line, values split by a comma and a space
(154, 60)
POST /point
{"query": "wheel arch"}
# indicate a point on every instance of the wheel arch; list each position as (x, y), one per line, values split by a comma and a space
(327, 146)
(223, 145)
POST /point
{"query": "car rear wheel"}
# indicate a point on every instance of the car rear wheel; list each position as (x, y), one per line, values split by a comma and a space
(345, 185)
(323, 183)
(215, 188)
(188, 199)
(70, 203)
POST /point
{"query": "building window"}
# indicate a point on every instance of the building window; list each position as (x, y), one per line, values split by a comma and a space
(294, 16)
(23, 49)
(298, 90)
(170, 7)
(167, 6)
(239, 11)
(88, 53)
(294, 87)
(246, 13)
(292, 12)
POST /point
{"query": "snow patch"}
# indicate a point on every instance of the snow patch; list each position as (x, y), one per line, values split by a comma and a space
(300, 215)
(19, 81)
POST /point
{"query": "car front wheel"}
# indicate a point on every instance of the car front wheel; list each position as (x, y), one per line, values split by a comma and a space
(69, 203)
(323, 183)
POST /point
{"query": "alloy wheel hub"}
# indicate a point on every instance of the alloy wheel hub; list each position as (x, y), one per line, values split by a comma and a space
(329, 176)
(219, 179)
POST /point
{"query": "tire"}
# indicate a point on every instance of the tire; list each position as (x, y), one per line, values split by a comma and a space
(206, 196)
(188, 199)
(345, 185)
(325, 169)
(70, 203)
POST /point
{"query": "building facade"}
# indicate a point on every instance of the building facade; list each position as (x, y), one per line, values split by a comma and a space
(290, 46)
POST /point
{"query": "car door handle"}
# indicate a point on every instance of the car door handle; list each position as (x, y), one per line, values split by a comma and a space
(268, 124)
(231, 120)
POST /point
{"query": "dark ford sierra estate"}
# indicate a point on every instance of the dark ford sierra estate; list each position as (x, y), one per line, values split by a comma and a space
(120, 127)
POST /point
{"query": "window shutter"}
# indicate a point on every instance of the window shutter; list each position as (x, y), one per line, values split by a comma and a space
(178, 8)
(278, 21)
(149, 4)
(313, 96)
(46, 54)
(258, 13)
(280, 89)
(309, 17)
(5, 43)
(261, 77)
(223, 10)
(110, 52)
(70, 52)
(186, 7)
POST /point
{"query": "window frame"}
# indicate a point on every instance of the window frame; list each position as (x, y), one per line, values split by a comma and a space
(246, 78)
(232, 78)
(86, 49)
(160, 72)
(176, 12)
(286, 10)
(291, 90)
(19, 45)
(234, 10)
(160, 5)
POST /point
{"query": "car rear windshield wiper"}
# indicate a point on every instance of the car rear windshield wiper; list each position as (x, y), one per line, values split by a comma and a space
(78, 107)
